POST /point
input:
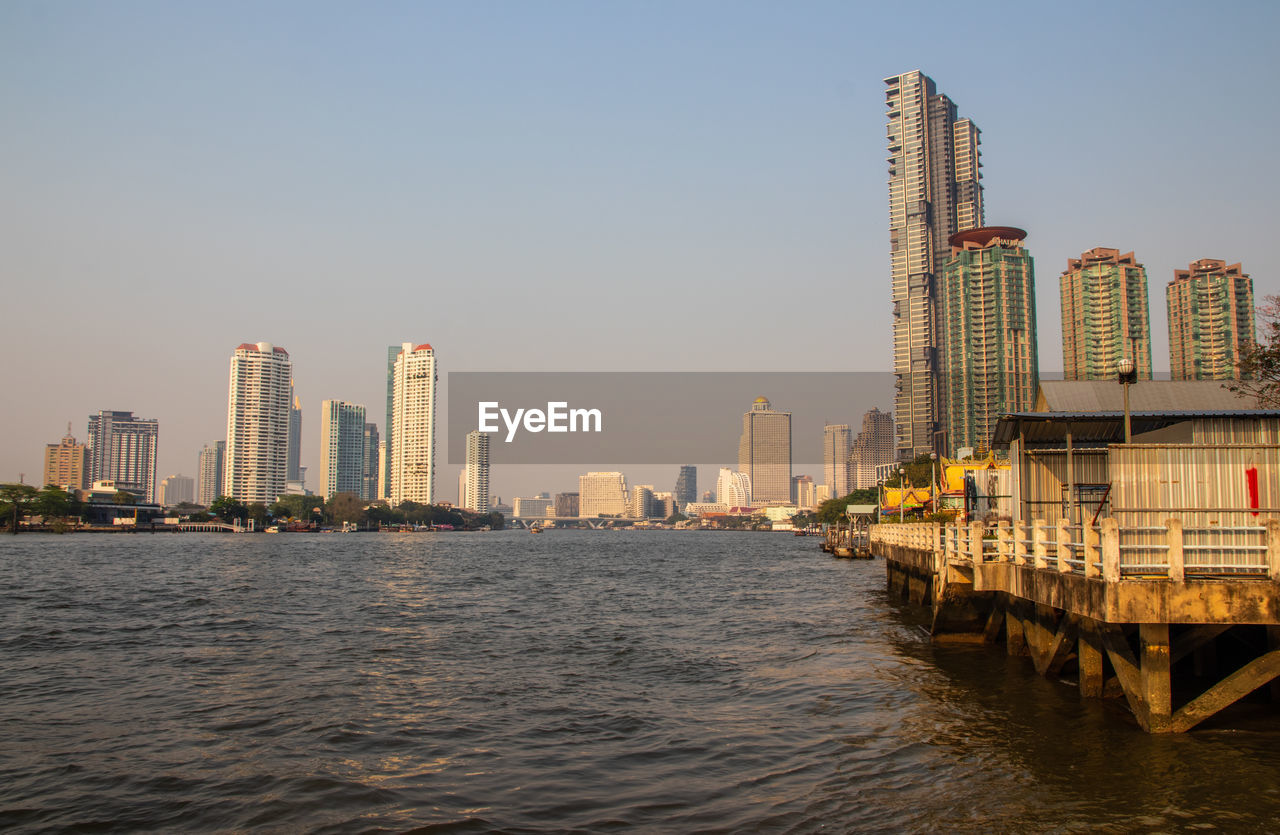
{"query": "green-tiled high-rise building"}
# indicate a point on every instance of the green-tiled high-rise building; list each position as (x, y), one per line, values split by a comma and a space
(1210, 320)
(1105, 315)
(987, 334)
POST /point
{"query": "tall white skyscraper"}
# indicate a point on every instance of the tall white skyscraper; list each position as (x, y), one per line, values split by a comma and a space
(209, 479)
(255, 465)
(342, 460)
(934, 191)
(764, 452)
(602, 494)
(837, 441)
(413, 440)
(733, 489)
(477, 471)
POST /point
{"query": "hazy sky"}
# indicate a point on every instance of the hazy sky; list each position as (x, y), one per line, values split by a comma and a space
(566, 185)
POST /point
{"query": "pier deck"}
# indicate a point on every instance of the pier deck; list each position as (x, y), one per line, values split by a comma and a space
(1181, 622)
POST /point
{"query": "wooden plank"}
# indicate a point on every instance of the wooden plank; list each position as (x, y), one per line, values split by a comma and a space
(1230, 690)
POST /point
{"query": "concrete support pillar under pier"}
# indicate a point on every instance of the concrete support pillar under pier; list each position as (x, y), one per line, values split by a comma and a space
(1015, 629)
(1089, 653)
(1157, 694)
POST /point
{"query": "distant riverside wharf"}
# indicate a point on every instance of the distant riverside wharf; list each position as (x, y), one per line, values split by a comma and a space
(1135, 548)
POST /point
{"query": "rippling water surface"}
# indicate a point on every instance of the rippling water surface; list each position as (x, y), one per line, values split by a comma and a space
(574, 680)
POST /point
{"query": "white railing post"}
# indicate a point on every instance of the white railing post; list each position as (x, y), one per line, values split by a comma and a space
(975, 542)
(1092, 552)
(1273, 549)
(1110, 550)
(1064, 546)
(1038, 549)
(1173, 538)
(1020, 543)
(1003, 552)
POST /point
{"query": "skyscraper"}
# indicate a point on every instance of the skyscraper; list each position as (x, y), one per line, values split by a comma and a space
(477, 471)
(764, 452)
(413, 422)
(686, 485)
(294, 469)
(987, 306)
(209, 484)
(804, 492)
(341, 448)
(177, 489)
(255, 464)
(640, 501)
(602, 494)
(733, 489)
(837, 441)
(369, 469)
(1211, 320)
(935, 190)
(388, 431)
(566, 505)
(66, 464)
(1105, 316)
(873, 446)
(122, 448)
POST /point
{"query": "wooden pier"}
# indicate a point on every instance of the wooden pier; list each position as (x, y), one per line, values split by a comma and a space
(1182, 622)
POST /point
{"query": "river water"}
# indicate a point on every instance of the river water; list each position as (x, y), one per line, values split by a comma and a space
(576, 680)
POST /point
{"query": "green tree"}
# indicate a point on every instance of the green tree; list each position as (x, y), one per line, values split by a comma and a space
(833, 510)
(124, 497)
(257, 511)
(344, 507)
(1260, 361)
(227, 509)
(380, 514)
(53, 502)
(15, 501)
(297, 506)
(676, 517)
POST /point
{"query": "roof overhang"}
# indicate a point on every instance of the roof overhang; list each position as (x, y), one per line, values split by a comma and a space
(1048, 430)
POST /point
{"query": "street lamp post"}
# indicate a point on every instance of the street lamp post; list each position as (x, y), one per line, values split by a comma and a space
(933, 480)
(1127, 374)
(902, 495)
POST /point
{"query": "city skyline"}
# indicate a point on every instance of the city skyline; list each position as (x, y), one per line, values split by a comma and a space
(168, 199)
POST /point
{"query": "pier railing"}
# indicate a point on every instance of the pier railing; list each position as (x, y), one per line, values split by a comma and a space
(1106, 550)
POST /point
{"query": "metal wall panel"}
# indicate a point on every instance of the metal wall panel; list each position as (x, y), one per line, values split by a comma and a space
(1044, 475)
(1207, 487)
(1236, 431)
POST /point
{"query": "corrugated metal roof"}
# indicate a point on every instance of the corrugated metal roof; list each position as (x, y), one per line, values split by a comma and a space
(1049, 429)
(1144, 396)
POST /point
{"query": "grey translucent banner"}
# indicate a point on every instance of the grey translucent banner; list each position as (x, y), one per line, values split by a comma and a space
(648, 417)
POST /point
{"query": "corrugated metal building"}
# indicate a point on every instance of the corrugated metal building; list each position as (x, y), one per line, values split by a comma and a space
(1215, 469)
